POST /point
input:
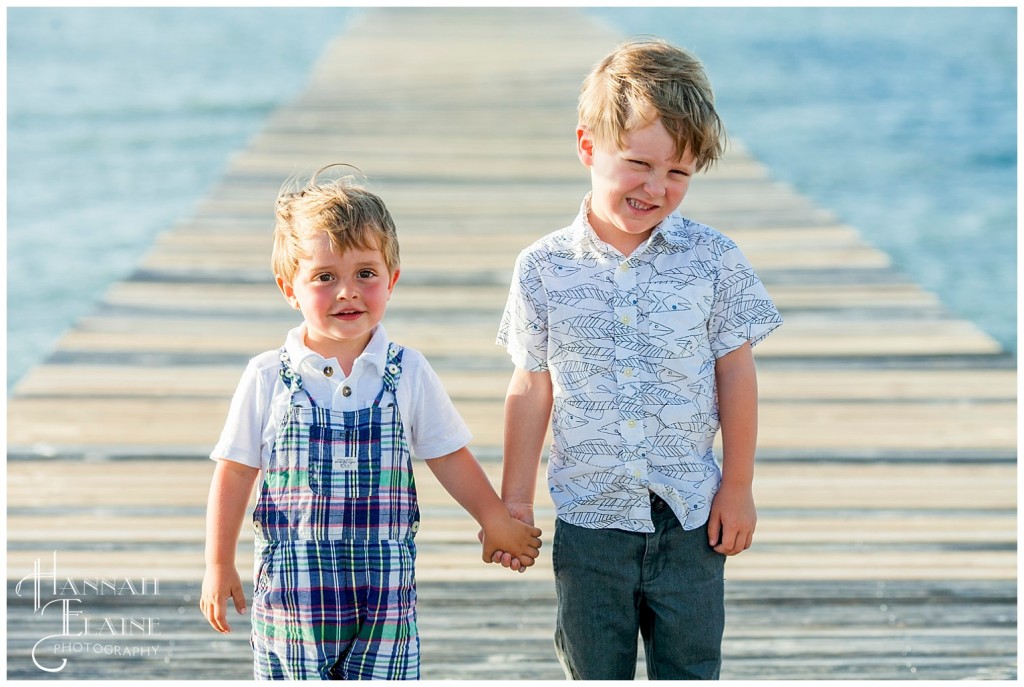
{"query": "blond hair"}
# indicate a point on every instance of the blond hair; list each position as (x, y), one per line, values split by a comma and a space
(351, 215)
(646, 78)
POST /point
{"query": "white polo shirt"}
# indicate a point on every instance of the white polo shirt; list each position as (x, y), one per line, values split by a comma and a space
(631, 344)
(433, 427)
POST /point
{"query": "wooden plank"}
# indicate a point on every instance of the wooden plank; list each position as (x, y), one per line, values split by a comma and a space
(886, 546)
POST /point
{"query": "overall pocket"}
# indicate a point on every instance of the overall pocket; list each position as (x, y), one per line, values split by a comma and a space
(344, 459)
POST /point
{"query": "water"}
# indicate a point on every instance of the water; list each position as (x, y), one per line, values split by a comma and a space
(902, 121)
(119, 120)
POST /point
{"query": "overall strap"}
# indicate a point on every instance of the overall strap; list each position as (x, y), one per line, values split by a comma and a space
(392, 372)
(291, 378)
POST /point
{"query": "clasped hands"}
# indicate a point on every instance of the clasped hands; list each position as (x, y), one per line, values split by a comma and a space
(519, 546)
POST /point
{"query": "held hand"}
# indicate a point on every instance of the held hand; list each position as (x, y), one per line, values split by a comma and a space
(732, 521)
(221, 583)
(511, 537)
(524, 513)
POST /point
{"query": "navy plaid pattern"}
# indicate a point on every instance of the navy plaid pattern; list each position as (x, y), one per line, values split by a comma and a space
(335, 584)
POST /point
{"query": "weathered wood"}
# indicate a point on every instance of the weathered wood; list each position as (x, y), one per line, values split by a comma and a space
(886, 546)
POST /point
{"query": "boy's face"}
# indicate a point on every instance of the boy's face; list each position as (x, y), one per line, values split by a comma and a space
(342, 296)
(636, 187)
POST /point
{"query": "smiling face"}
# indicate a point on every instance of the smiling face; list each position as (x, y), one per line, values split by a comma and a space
(342, 295)
(634, 188)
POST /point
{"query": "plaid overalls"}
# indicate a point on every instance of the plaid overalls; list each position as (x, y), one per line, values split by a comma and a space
(335, 594)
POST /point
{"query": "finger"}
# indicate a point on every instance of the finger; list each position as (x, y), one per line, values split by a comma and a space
(536, 543)
(714, 529)
(729, 543)
(216, 614)
(480, 536)
(527, 561)
(507, 560)
(496, 557)
(515, 564)
(239, 596)
(535, 532)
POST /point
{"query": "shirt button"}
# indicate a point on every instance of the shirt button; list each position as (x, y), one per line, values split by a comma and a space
(628, 372)
(626, 319)
(346, 391)
(631, 424)
(328, 371)
(624, 267)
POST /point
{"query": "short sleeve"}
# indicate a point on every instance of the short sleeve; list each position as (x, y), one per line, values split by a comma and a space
(524, 325)
(241, 439)
(433, 426)
(742, 310)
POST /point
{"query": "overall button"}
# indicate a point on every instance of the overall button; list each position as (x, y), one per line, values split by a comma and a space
(346, 391)
(328, 371)
(415, 527)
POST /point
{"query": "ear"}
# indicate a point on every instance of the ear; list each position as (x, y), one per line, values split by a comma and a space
(287, 291)
(393, 281)
(584, 146)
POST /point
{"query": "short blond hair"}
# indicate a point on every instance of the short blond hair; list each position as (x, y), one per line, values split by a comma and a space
(350, 214)
(646, 78)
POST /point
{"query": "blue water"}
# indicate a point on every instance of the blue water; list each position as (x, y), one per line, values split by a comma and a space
(901, 121)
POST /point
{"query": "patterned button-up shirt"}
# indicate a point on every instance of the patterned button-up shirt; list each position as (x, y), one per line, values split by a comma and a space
(631, 344)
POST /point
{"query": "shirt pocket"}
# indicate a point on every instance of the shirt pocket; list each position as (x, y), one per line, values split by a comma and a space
(344, 460)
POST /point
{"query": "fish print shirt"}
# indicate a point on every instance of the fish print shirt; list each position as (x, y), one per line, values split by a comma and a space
(631, 344)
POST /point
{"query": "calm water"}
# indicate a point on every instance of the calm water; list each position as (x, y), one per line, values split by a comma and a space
(900, 121)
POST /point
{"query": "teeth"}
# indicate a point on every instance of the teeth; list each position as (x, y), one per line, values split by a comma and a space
(637, 205)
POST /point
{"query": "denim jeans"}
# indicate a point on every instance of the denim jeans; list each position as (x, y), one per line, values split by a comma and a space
(612, 585)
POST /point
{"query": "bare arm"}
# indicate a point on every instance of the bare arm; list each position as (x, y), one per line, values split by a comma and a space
(462, 477)
(527, 414)
(733, 515)
(228, 501)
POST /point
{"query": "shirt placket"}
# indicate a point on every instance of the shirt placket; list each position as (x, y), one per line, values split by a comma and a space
(631, 425)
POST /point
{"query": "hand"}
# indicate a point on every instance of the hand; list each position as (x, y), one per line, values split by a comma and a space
(512, 540)
(732, 521)
(220, 583)
(524, 513)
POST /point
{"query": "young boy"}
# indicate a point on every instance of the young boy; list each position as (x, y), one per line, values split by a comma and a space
(635, 325)
(330, 420)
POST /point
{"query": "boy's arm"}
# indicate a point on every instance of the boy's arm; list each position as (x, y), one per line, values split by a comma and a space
(527, 414)
(229, 499)
(462, 477)
(733, 515)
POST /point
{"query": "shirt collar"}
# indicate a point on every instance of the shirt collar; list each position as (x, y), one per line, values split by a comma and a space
(375, 353)
(673, 230)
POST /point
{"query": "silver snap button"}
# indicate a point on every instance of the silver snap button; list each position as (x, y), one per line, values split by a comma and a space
(346, 391)
(328, 371)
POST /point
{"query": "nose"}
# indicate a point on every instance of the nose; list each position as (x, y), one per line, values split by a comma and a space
(654, 186)
(346, 290)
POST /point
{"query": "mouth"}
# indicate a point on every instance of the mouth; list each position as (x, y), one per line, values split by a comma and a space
(347, 314)
(640, 206)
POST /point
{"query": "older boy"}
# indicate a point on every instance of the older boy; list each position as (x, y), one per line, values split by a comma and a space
(635, 325)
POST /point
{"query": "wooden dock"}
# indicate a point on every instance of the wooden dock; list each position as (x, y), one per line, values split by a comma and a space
(886, 484)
